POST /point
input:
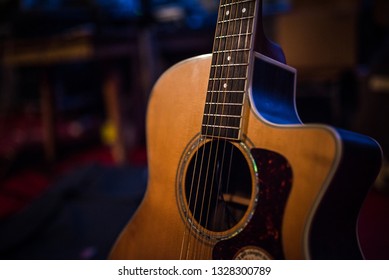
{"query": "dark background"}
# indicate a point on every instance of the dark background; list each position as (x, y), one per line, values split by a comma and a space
(74, 83)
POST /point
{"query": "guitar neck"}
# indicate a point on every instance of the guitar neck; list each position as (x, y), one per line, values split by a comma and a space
(230, 69)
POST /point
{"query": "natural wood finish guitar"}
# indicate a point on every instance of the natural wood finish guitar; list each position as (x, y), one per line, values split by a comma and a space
(262, 186)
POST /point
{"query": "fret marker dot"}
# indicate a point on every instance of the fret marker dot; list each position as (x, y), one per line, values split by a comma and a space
(225, 85)
(227, 13)
(244, 10)
(229, 58)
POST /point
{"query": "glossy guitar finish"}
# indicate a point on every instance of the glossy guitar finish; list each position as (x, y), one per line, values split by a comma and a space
(304, 183)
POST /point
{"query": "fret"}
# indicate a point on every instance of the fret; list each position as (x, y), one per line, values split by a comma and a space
(234, 41)
(233, 35)
(235, 19)
(220, 126)
(223, 109)
(226, 91)
(230, 51)
(227, 79)
(224, 116)
(230, 65)
(237, 2)
(237, 58)
(234, 97)
(224, 104)
(221, 132)
(223, 121)
(223, 43)
(230, 42)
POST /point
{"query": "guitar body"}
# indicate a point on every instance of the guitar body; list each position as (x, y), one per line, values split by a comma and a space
(305, 183)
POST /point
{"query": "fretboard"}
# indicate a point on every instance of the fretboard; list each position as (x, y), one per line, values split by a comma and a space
(228, 82)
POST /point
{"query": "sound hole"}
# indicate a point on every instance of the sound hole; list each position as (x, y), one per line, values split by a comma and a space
(218, 185)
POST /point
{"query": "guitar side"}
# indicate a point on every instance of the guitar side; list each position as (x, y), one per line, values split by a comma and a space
(174, 119)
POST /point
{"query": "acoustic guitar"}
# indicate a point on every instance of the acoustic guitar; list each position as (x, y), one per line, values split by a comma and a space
(233, 172)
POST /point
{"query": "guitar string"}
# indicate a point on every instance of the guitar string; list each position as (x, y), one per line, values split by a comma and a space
(202, 160)
(234, 45)
(186, 231)
(192, 237)
(216, 167)
(202, 142)
(241, 8)
(221, 46)
(226, 65)
(237, 9)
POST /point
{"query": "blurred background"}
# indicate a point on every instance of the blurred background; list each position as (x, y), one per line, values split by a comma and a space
(74, 83)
